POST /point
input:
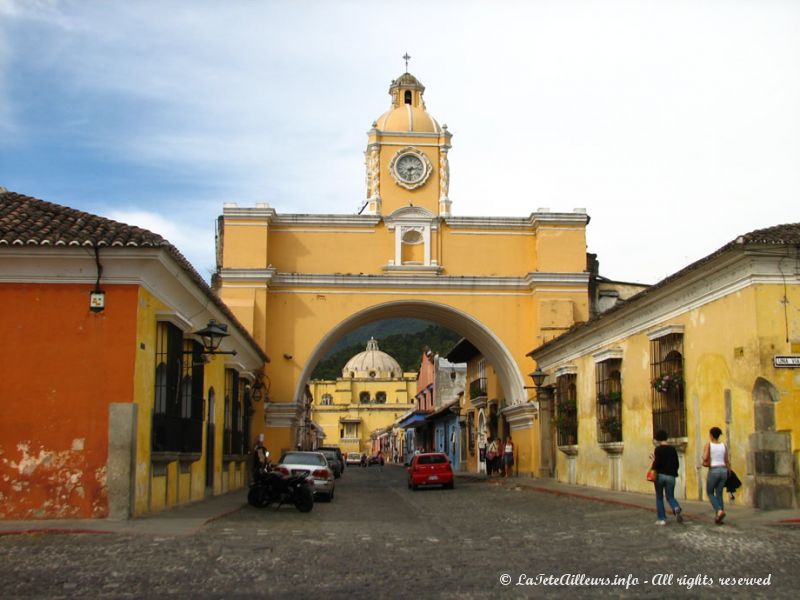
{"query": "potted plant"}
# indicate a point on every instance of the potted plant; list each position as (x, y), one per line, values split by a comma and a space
(668, 382)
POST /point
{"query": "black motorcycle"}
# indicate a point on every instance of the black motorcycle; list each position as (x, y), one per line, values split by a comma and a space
(271, 487)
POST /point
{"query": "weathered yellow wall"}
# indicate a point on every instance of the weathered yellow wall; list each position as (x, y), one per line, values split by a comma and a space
(728, 344)
(155, 493)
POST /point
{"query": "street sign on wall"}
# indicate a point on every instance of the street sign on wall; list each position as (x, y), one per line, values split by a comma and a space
(786, 360)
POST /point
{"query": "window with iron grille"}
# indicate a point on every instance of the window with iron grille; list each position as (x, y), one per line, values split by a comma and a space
(666, 371)
(608, 380)
(566, 420)
(232, 442)
(192, 397)
(167, 406)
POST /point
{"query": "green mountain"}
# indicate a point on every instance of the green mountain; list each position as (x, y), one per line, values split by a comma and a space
(379, 330)
(406, 347)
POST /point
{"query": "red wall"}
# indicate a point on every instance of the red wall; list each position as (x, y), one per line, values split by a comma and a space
(60, 366)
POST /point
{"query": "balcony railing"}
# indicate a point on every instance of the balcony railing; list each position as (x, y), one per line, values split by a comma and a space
(477, 388)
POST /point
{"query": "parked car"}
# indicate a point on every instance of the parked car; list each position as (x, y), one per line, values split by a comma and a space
(353, 458)
(432, 468)
(333, 461)
(312, 464)
(376, 459)
(338, 453)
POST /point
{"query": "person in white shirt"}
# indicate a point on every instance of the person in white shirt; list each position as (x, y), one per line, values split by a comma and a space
(715, 457)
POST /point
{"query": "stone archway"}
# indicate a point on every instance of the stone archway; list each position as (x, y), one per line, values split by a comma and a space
(479, 335)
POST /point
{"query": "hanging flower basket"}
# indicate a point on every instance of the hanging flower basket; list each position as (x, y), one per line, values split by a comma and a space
(668, 383)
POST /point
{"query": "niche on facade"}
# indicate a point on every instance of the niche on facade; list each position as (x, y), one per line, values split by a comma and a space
(413, 247)
(412, 227)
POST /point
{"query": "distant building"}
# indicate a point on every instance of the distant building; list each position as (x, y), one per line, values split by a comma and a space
(372, 392)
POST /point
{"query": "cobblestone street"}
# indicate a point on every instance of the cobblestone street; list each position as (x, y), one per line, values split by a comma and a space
(379, 539)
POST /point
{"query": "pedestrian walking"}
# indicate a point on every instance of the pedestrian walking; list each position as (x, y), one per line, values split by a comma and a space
(665, 464)
(715, 457)
(508, 458)
(491, 456)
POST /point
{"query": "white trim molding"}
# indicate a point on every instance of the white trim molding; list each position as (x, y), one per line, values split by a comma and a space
(665, 331)
(176, 319)
(520, 416)
(566, 370)
(609, 354)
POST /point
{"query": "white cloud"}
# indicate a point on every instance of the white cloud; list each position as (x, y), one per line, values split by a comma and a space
(195, 242)
(676, 125)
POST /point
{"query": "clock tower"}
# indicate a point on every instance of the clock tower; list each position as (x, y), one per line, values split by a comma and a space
(406, 156)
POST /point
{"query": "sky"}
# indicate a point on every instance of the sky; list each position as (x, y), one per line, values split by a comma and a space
(675, 124)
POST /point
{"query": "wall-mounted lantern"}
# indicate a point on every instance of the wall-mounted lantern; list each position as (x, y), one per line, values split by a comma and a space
(212, 335)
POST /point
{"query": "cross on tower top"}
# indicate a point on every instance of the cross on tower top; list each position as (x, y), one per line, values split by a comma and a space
(406, 58)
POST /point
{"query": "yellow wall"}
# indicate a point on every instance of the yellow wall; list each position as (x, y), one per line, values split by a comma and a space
(153, 493)
(728, 343)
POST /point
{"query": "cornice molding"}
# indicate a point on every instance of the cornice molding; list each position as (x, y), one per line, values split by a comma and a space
(665, 331)
(264, 213)
(609, 354)
(535, 220)
(327, 220)
(566, 370)
(263, 275)
(520, 416)
(527, 283)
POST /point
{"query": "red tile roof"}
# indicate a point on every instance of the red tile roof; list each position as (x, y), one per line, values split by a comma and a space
(26, 221)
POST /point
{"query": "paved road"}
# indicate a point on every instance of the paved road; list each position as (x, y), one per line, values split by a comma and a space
(378, 539)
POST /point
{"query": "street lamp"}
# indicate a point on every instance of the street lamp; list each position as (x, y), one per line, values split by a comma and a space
(212, 335)
(538, 377)
(546, 458)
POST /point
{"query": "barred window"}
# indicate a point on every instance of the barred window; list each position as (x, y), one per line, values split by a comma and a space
(327, 400)
(166, 434)
(233, 427)
(364, 398)
(608, 381)
(666, 371)
(567, 410)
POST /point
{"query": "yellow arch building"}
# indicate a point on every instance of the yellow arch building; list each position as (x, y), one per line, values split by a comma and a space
(301, 281)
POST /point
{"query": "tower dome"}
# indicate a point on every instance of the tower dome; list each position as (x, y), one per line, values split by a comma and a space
(373, 364)
(408, 109)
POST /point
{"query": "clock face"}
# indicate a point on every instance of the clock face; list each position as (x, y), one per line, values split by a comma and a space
(410, 168)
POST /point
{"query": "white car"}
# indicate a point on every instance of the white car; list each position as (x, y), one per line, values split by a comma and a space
(353, 458)
(312, 464)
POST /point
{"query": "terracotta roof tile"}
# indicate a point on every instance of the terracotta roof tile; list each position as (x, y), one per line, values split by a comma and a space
(26, 221)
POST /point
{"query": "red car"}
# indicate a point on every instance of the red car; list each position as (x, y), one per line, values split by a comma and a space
(430, 469)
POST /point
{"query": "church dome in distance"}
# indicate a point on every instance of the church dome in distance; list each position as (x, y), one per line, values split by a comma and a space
(372, 364)
(408, 109)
